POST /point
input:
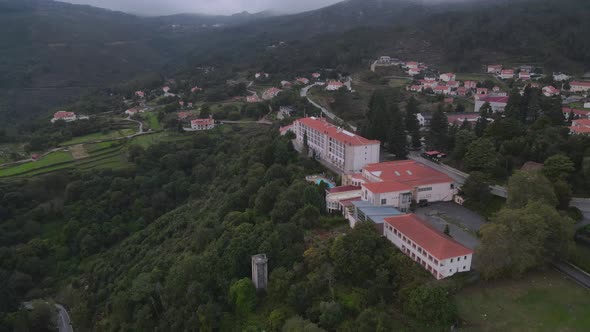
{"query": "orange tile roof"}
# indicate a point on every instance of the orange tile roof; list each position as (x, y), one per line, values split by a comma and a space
(386, 187)
(429, 238)
(343, 136)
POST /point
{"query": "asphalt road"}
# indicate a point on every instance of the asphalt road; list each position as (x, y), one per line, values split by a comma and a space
(304, 93)
(63, 319)
(577, 275)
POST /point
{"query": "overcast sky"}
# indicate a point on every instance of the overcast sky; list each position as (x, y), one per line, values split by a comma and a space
(166, 7)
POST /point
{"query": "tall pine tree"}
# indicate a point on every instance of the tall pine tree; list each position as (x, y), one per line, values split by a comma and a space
(397, 142)
(438, 137)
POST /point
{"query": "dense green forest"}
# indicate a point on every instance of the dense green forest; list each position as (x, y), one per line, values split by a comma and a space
(168, 244)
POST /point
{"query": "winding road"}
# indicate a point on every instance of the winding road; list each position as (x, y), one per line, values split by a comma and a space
(305, 94)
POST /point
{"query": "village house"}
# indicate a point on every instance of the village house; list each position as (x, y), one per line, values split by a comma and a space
(446, 77)
(578, 86)
(458, 119)
(453, 84)
(414, 71)
(576, 113)
(560, 77)
(428, 83)
(524, 75)
(462, 91)
(285, 84)
(270, 93)
(334, 85)
(203, 124)
(550, 91)
(316, 75)
(346, 151)
(166, 89)
(424, 119)
(586, 105)
(442, 89)
(302, 80)
(132, 111)
(252, 99)
(140, 94)
(580, 127)
(183, 115)
(494, 69)
(470, 84)
(196, 89)
(415, 88)
(384, 60)
(412, 65)
(261, 75)
(64, 116)
(498, 104)
(481, 91)
(507, 74)
(433, 250)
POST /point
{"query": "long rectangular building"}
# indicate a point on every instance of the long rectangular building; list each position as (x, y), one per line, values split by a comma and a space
(433, 250)
(347, 151)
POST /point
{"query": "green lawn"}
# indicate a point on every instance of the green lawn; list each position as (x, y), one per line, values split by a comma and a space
(397, 83)
(94, 147)
(99, 136)
(50, 159)
(147, 140)
(153, 121)
(543, 301)
(581, 256)
(474, 77)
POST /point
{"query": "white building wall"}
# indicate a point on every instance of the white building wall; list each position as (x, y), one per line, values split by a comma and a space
(440, 192)
(438, 268)
(357, 157)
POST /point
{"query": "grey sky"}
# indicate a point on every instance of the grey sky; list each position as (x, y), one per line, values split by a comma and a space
(165, 7)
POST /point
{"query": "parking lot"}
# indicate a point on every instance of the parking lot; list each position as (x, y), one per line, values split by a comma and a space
(463, 223)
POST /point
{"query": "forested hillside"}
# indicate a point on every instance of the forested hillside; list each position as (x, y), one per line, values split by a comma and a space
(168, 245)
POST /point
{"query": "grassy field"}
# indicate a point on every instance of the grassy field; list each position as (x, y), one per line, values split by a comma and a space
(50, 159)
(152, 119)
(99, 136)
(543, 301)
(581, 256)
(398, 83)
(147, 140)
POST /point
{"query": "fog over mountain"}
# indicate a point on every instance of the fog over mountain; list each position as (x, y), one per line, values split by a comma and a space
(225, 7)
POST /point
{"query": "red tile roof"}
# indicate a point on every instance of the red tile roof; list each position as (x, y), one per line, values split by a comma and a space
(205, 122)
(580, 129)
(581, 122)
(429, 238)
(408, 172)
(578, 83)
(494, 99)
(575, 111)
(343, 189)
(343, 136)
(63, 114)
(387, 187)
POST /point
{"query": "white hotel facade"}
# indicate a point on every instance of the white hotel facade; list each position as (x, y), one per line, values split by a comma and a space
(346, 151)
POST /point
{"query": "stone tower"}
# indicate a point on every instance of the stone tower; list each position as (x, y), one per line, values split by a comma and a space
(260, 271)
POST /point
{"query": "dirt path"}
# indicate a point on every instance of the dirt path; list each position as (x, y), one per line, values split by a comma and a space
(79, 152)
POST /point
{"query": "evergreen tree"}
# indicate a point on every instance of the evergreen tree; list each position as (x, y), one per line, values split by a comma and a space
(378, 117)
(439, 131)
(397, 138)
(412, 124)
(513, 106)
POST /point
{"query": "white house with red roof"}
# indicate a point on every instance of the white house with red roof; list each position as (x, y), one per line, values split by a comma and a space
(442, 89)
(416, 88)
(447, 77)
(580, 127)
(578, 86)
(270, 93)
(339, 198)
(453, 84)
(494, 69)
(481, 91)
(285, 84)
(550, 91)
(132, 111)
(166, 89)
(524, 75)
(507, 74)
(346, 151)
(577, 113)
(261, 75)
(183, 115)
(316, 75)
(432, 249)
(140, 94)
(64, 116)
(414, 71)
(498, 104)
(302, 80)
(462, 91)
(428, 83)
(203, 124)
(252, 99)
(470, 84)
(459, 118)
(334, 85)
(196, 89)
